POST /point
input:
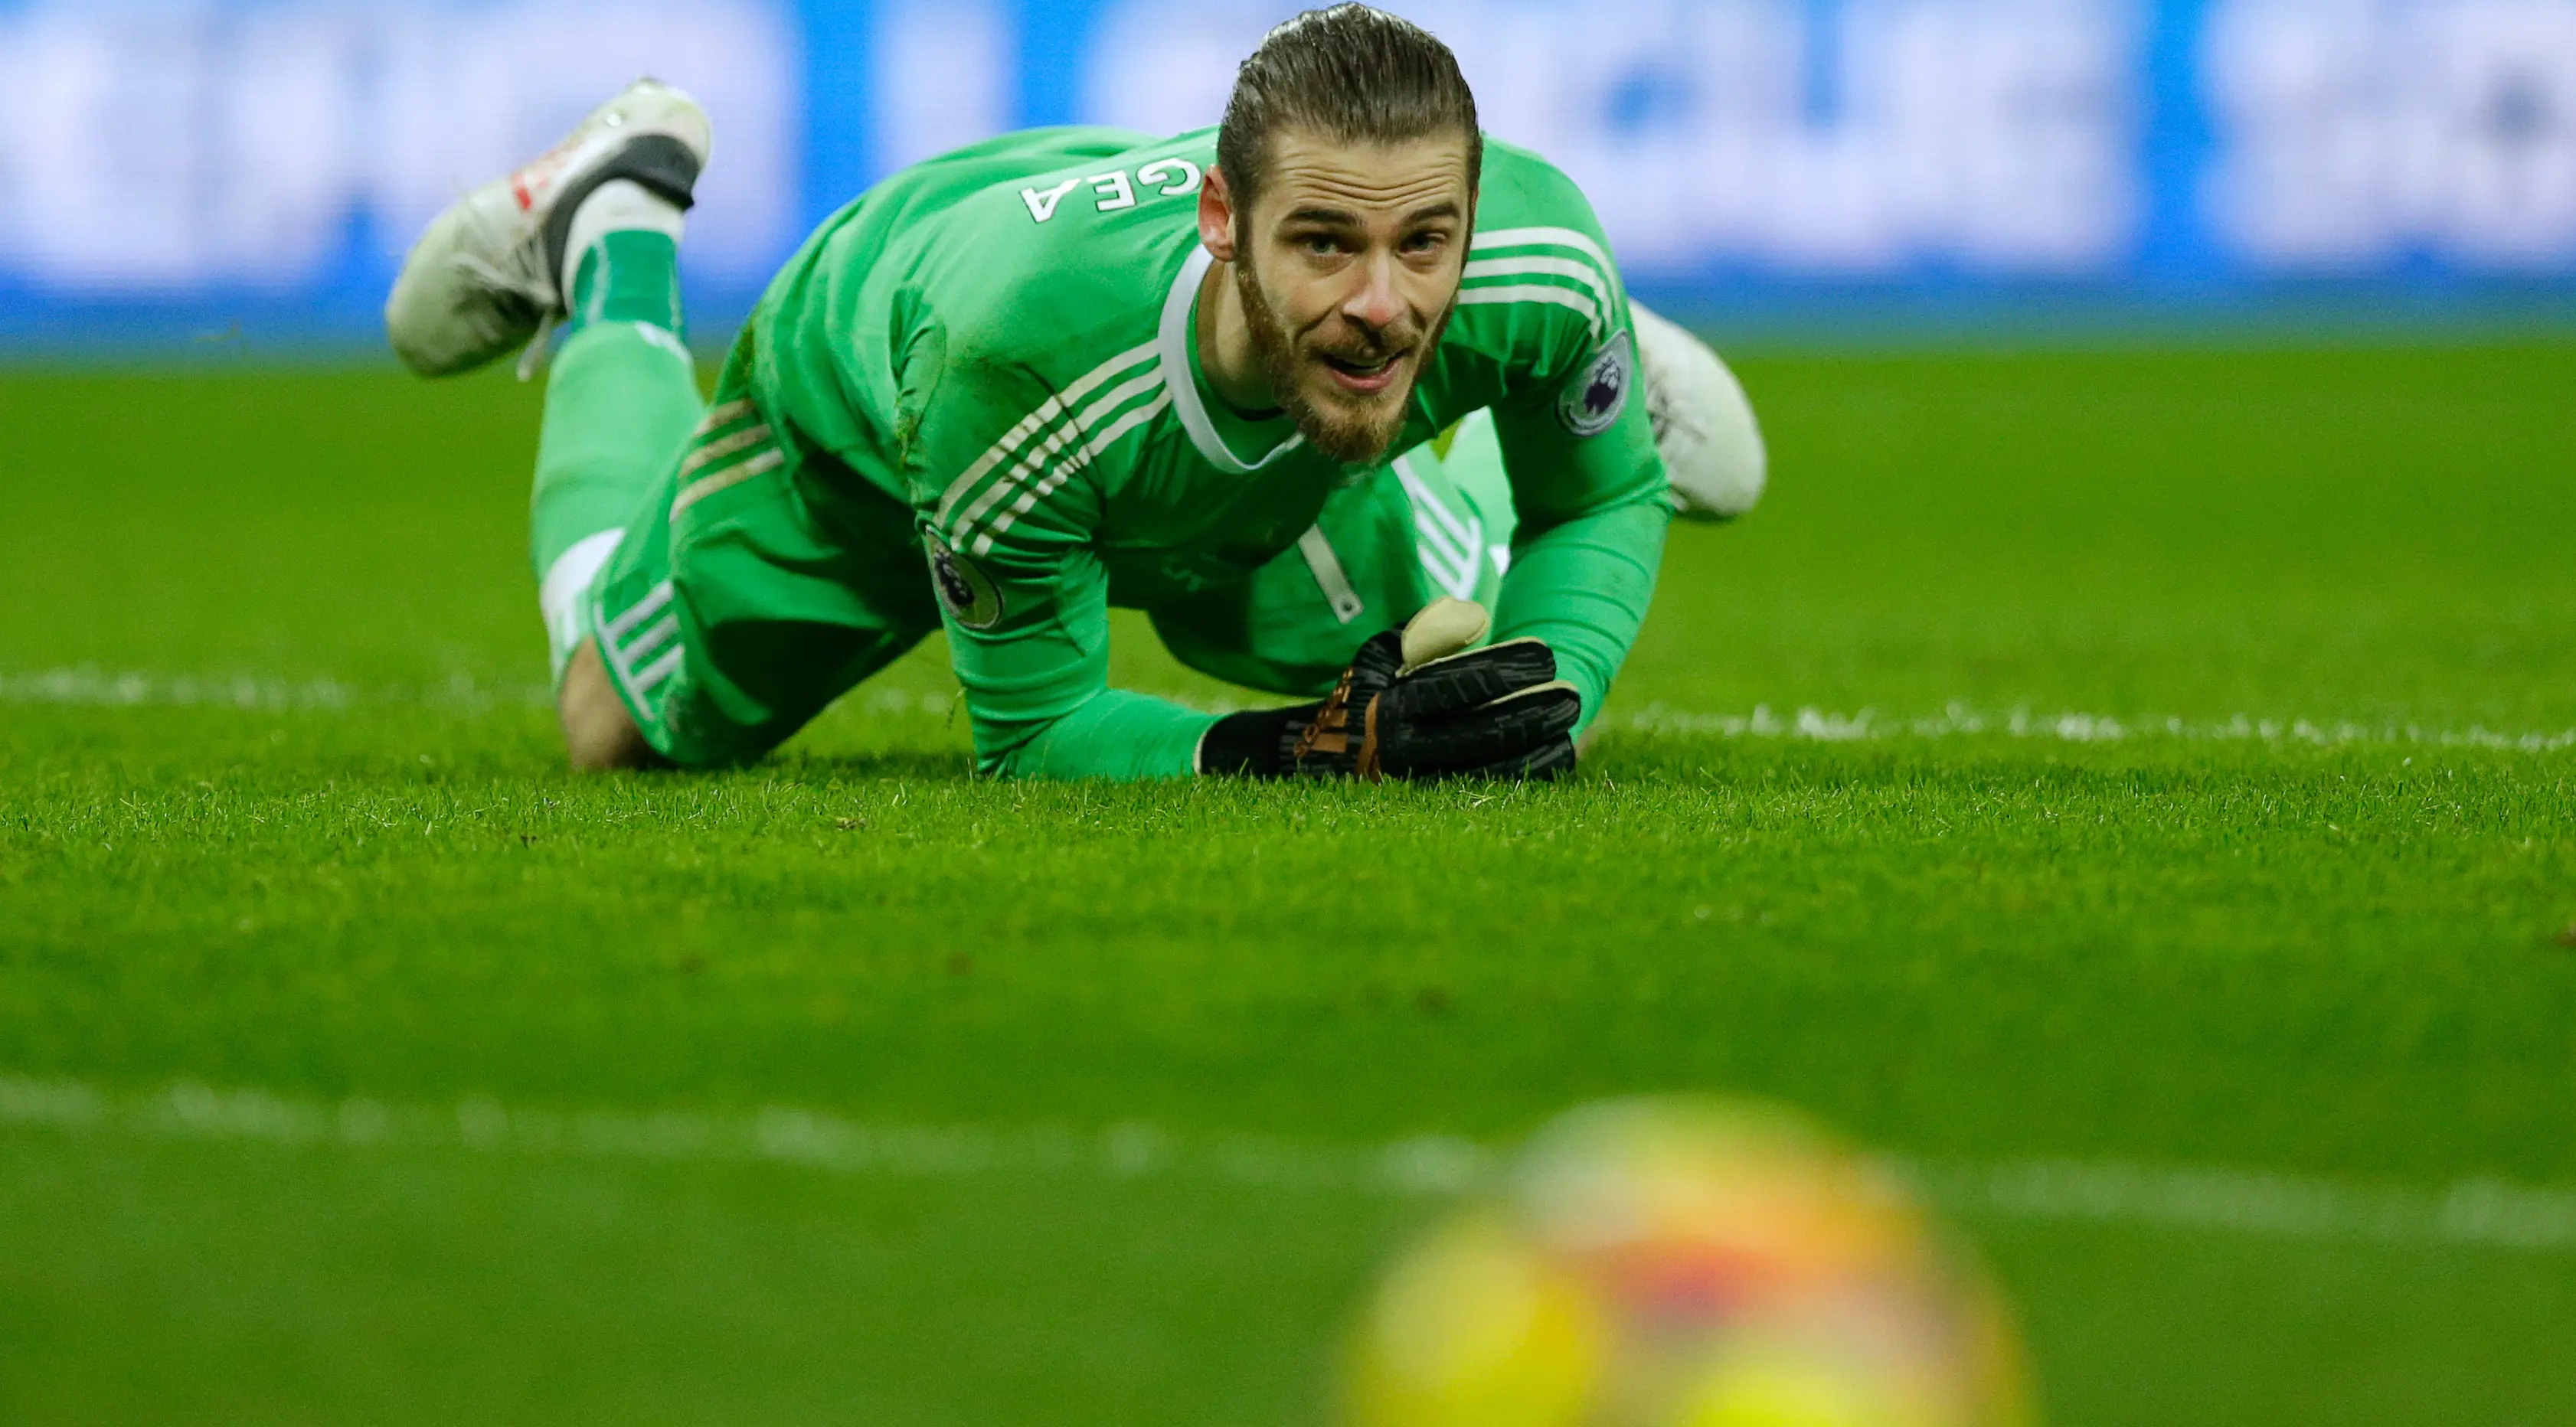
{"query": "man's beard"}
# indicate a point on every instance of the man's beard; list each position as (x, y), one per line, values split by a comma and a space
(1351, 436)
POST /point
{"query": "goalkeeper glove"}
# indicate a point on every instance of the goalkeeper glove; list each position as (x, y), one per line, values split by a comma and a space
(1413, 706)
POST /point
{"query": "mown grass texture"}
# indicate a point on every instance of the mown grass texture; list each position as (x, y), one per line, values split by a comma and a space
(2181, 780)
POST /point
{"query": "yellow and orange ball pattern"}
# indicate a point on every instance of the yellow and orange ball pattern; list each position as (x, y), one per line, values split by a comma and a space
(1687, 1262)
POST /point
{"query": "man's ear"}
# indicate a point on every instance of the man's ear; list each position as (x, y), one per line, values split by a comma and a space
(1216, 216)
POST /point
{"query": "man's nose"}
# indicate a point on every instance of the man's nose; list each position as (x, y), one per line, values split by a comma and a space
(1374, 303)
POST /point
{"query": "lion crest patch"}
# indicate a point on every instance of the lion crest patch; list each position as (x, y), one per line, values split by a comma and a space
(966, 591)
(1596, 395)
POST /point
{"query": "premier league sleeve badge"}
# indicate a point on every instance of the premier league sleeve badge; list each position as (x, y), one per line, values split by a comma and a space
(964, 590)
(1595, 395)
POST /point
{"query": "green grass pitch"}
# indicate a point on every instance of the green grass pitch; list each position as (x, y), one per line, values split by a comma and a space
(2134, 788)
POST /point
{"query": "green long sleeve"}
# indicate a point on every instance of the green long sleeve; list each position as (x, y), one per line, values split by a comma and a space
(1113, 734)
(1583, 586)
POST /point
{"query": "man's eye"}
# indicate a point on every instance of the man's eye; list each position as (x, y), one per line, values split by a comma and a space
(1425, 242)
(1321, 245)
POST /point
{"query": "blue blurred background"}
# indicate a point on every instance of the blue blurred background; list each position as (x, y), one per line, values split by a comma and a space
(187, 174)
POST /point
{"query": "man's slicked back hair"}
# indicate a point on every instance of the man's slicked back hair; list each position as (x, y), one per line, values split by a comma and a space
(1348, 73)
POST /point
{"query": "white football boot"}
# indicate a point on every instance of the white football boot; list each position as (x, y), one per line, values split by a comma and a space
(1704, 427)
(488, 274)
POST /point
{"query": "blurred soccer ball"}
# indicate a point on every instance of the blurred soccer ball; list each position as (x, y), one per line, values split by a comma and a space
(1704, 426)
(1686, 1263)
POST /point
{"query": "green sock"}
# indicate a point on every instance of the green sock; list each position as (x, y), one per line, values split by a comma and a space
(629, 275)
(620, 402)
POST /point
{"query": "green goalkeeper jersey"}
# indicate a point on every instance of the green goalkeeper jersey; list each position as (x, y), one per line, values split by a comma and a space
(1002, 339)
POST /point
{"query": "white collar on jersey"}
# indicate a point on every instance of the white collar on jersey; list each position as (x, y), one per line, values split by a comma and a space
(1173, 343)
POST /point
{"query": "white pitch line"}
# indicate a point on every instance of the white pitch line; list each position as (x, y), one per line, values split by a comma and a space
(87, 687)
(1960, 720)
(2472, 1213)
(94, 688)
(478, 1123)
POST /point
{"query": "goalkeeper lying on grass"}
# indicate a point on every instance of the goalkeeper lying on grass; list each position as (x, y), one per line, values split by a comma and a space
(1071, 368)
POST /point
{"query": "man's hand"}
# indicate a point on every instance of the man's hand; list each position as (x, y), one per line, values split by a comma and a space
(1413, 706)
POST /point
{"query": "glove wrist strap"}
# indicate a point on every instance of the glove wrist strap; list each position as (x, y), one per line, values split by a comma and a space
(1252, 743)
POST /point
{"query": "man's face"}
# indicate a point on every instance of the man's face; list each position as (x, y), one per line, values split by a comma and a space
(1348, 266)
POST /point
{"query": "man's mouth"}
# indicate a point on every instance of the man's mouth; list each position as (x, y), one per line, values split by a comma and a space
(1362, 376)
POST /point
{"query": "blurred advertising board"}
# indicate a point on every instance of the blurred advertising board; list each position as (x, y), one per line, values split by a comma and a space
(172, 170)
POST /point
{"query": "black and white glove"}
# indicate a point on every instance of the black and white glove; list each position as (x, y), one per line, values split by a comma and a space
(1413, 706)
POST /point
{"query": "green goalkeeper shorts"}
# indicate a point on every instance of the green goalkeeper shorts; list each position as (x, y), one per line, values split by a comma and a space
(736, 608)
(747, 594)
